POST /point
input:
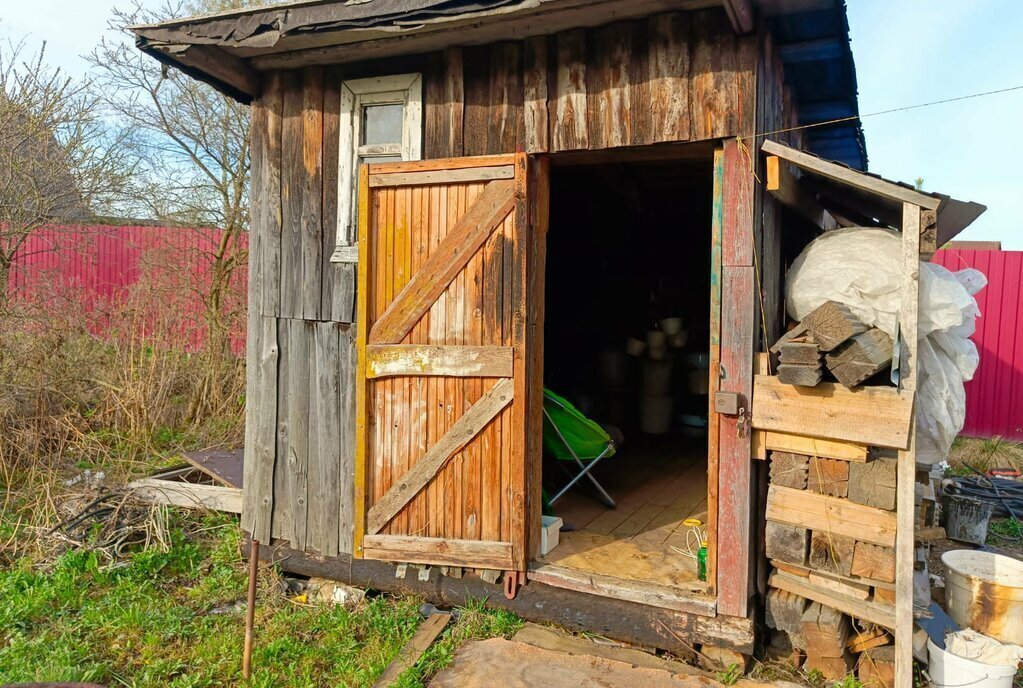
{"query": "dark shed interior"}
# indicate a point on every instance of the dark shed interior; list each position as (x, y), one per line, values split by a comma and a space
(628, 251)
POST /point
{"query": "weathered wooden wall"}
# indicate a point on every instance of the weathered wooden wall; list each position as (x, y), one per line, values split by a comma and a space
(674, 77)
(299, 418)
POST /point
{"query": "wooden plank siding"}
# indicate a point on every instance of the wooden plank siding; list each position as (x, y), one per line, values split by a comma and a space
(672, 77)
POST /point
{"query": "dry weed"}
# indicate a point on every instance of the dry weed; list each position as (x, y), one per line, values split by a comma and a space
(113, 388)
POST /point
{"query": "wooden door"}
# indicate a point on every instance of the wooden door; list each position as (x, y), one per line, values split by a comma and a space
(442, 379)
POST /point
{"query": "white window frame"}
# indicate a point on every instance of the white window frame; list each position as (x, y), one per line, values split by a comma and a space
(404, 89)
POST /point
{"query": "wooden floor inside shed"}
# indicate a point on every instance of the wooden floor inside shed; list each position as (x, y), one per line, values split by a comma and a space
(657, 484)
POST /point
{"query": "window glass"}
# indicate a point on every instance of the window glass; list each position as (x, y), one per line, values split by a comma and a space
(382, 123)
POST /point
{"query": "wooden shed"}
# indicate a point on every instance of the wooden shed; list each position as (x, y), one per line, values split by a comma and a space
(458, 202)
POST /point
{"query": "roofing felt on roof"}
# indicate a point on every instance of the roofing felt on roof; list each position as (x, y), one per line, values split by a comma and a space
(812, 36)
(265, 26)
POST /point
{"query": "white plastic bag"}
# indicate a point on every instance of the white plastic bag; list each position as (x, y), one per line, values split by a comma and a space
(862, 268)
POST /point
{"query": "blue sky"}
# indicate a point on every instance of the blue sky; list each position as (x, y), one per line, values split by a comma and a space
(917, 51)
(907, 52)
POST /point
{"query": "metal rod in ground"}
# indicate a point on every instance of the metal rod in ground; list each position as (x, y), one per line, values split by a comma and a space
(250, 610)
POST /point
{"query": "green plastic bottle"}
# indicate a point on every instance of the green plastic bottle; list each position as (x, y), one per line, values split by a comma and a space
(701, 561)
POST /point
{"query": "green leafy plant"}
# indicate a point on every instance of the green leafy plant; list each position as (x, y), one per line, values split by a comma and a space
(731, 675)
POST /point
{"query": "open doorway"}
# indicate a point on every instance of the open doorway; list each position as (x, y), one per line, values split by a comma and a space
(626, 343)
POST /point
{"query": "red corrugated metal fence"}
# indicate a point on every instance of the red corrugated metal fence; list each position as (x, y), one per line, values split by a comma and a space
(994, 398)
(163, 273)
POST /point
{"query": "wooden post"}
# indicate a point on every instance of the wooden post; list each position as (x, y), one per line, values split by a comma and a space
(905, 489)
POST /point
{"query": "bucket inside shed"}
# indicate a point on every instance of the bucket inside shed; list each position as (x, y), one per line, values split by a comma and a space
(626, 342)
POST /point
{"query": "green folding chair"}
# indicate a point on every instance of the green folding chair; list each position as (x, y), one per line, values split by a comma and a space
(574, 439)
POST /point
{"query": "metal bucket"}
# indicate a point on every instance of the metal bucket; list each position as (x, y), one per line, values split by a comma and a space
(966, 518)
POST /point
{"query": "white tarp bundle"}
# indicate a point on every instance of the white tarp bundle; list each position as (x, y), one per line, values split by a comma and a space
(970, 644)
(862, 268)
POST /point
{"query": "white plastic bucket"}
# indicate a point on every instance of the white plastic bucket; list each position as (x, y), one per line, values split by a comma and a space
(656, 378)
(984, 591)
(952, 671)
(655, 415)
(671, 326)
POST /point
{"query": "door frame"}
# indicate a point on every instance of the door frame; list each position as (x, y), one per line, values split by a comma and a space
(731, 299)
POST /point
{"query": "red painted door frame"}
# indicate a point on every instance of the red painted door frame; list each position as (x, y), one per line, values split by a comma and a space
(737, 285)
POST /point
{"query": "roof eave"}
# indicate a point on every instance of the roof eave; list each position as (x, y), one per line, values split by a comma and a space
(228, 74)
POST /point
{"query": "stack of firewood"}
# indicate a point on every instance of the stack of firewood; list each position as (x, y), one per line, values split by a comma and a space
(830, 539)
(832, 337)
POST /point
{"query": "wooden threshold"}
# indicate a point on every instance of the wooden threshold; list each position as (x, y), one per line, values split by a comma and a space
(439, 551)
(651, 594)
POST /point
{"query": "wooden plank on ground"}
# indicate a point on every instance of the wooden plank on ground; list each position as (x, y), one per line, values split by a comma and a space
(414, 649)
(465, 428)
(830, 514)
(424, 359)
(462, 242)
(869, 415)
(188, 495)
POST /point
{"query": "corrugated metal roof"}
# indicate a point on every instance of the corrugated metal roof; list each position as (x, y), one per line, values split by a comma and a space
(813, 40)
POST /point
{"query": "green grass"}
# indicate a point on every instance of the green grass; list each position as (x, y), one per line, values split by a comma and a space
(147, 622)
(1005, 530)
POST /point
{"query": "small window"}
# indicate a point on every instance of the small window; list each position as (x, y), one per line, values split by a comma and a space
(381, 121)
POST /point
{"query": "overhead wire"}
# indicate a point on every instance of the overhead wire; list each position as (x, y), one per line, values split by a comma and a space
(904, 108)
